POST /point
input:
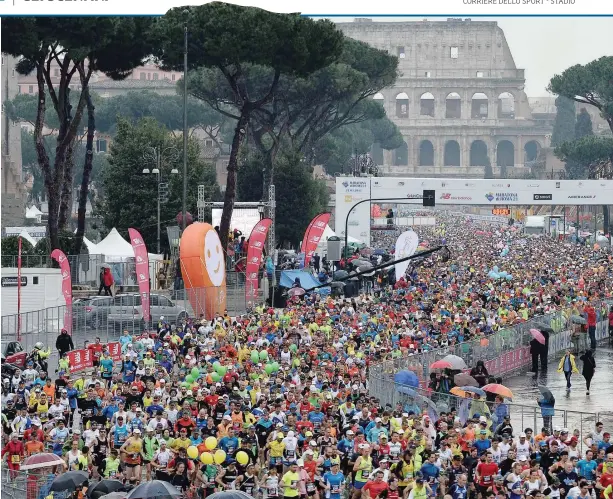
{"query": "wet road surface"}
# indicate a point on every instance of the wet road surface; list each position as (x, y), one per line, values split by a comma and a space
(574, 409)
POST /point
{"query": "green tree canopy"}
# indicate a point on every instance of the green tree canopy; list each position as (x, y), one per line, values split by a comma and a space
(588, 84)
(124, 207)
(583, 126)
(295, 187)
(564, 124)
(79, 46)
(228, 39)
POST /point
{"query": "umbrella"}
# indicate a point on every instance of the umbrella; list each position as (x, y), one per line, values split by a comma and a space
(441, 364)
(501, 390)
(337, 284)
(155, 488)
(464, 379)
(577, 319)
(407, 391)
(473, 389)
(340, 274)
(43, 460)
(456, 362)
(538, 336)
(456, 390)
(406, 378)
(379, 252)
(105, 487)
(114, 495)
(230, 494)
(69, 481)
(296, 291)
(105, 266)
(546, 393)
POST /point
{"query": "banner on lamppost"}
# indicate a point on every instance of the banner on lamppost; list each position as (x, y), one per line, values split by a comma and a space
(142, 271)
(62, 260)
(312, 236)
(255, 250)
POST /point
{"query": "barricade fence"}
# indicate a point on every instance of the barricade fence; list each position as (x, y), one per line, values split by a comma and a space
(504, 353)
(35, 484)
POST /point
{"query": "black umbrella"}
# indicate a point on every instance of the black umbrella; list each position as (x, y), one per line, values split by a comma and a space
(230, 494)
(340, 274)
(155, 488)
(69, 481)
(104, 487)
(546, 393)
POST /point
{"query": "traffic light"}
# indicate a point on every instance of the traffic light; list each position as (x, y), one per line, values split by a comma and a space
(429, 198)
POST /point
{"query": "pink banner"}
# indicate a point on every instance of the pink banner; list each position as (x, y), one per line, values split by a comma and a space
(254, 258)
(60, 258)
(313, 235)
(142, 271)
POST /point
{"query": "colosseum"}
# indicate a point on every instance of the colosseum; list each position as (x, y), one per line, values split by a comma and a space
(459, 100)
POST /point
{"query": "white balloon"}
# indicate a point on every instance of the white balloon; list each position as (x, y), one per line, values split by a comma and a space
(406, 245)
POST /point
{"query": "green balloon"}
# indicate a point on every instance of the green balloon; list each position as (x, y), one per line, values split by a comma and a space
(185, 384)
(269, 368)
(254, 375)
(215, 377)
(255, 358)
(293, 348)
(216, 365)
(263, 355)
(195, 372)
(189, 379)
(275, 366)
(222, 371)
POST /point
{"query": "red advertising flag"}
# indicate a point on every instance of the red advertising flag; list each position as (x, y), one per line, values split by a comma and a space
(142, 271)
(306, 234)
(313, 235)
(254, 258)
(76, 358)
(62, 260)
(114, 350)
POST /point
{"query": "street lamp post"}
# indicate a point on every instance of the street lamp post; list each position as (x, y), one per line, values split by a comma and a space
(156, 154)
(261, 209)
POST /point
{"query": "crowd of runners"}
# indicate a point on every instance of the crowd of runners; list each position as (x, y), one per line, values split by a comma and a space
(276, 402)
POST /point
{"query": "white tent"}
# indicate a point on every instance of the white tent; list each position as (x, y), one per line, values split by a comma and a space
(33, 213)
(114, 247)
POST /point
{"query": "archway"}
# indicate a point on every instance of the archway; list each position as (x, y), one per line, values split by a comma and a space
(402, 105)
(453, 106)
(426, 105)
(401, 155)
(452, 156)
(426, 153)
(505, 154)
(478, 106)
(531, 151)
(506, 105)
(478, 153)
(376, 153)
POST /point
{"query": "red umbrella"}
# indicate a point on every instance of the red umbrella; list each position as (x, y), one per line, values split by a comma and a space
(441, 364)
(501, 390)
(43, 460)
(538, 336)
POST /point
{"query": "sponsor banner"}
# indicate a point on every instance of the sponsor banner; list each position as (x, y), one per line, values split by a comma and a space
(254, 258)
(406, 245)
(349, 191)
(142, 271)
(114, 350)
(543, 197)
(313, 235)
(80, 359)
(64, 264)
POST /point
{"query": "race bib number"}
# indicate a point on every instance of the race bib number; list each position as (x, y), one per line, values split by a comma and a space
(15, 459)
(290, 454)
(335, 489)
(273, 492)
(275, 460)
(135, 456)
(310, 486)
(487, 479)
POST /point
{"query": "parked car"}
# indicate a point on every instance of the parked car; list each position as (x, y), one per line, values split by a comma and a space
(91, 311)
(13, 353)
(126, 312)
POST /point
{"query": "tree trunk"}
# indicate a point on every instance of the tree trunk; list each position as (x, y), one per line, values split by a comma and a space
(230, 195)
(87, 170)
(66, 196)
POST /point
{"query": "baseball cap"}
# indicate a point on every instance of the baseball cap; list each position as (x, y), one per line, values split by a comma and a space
(136, 431)
(522, 435)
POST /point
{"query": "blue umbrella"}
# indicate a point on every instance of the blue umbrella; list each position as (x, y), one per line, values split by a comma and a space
(407, 378)
(406, 390)
(473, 389)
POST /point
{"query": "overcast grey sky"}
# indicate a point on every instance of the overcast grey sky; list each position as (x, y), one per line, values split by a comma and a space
(546, 46)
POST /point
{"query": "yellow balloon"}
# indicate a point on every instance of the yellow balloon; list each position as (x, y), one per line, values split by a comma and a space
(192, 452)
(206, 458)
(242, 458)
(219, 457)
(211, 443)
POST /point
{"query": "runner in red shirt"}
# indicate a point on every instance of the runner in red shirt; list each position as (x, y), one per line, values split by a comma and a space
(96, 349)
(374, 488)
(16, 452)
(485, 473)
